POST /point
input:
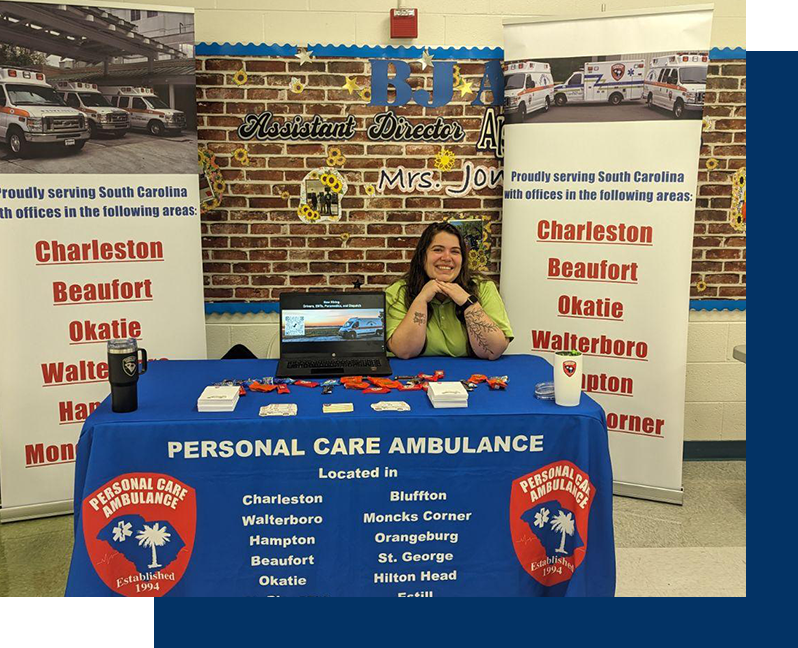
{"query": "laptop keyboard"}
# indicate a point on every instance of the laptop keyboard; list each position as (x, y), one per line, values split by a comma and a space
(350, 362)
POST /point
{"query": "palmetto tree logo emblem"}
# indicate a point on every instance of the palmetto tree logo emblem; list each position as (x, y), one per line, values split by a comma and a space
(152, 537)
(564, 524)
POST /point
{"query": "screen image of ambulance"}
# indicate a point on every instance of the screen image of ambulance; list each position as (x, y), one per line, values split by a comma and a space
(146, 109)
(528, 87)
(677, 82)
(32, 114)
(102, 117)
(603, 81)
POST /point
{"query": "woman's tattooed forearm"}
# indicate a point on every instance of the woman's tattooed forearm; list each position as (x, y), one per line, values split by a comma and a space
(419, 318)
(480, 326)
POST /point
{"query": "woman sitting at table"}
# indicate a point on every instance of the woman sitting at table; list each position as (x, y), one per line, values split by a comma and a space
(439, 308)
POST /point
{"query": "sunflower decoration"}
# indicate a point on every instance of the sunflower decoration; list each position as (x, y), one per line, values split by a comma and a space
(370, 190)
(210, 169)
(444, 160)
(701, 285)
(712, 164)
(240, 77)
(285, 195)
(296, 86)
(241, 155)
(334, 157)
(365, 94)
(344, 237)
(707, 124)
(312, 216)
(737, 212)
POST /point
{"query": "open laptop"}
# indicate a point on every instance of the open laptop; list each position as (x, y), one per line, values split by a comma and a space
(332, 334)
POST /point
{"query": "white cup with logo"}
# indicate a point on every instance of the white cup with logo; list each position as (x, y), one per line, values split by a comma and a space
(567, 378)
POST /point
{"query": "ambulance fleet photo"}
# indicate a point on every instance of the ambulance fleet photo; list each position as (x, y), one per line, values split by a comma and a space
(35, 114)
(675, 83)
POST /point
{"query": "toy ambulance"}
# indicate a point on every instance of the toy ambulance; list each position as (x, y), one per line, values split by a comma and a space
(101, 115)
(147, 111)
(677, 82)
(33, 115)
(528, 87)
(603, 81)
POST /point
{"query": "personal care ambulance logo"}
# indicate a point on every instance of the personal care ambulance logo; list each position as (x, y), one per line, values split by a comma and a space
(617, 71)
(549, 511)
(139, 532)
(569, 367)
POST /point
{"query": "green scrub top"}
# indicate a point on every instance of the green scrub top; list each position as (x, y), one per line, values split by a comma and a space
(446, 335)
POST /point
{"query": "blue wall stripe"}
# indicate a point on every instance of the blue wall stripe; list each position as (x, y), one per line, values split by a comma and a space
(390, 51)
(274, 307)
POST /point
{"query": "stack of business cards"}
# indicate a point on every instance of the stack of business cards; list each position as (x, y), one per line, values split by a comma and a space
(337, 408)
(447, 394)
(218, 398)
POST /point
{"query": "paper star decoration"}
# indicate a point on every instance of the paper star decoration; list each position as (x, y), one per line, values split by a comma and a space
(304, 56)
(465, 87)
(351, 85)
(426, 59)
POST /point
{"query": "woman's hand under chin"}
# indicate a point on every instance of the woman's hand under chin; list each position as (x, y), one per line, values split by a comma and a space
(455, 292)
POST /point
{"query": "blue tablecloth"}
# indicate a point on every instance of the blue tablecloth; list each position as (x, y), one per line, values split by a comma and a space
(493, 500)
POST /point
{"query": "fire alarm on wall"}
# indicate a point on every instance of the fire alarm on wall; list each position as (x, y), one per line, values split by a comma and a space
(404, 23)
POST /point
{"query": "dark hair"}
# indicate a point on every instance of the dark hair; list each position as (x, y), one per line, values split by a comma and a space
(416, 277)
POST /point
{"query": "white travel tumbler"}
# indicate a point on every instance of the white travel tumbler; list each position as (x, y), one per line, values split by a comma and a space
(567, 378)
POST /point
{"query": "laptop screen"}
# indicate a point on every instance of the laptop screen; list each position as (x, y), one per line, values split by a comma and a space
(349, 323)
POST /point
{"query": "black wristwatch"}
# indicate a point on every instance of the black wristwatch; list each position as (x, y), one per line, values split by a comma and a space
(471, 301)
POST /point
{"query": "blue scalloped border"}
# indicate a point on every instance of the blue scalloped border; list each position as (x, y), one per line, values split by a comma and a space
(717, 304)
(274, 307)
(391, 51)
(353, 51)
(242, 307)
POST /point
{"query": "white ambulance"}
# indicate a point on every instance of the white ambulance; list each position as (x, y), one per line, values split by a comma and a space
(147, 111)
(358, 327)
(603, 81)
(33, 115)
(103, 118)
(677, 82)
(528, 86)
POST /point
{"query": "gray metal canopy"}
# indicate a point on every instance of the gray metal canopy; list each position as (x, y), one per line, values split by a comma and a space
(82, 33)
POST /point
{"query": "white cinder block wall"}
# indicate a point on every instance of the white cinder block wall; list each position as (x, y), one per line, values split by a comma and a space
(441, 22)
(715, 398)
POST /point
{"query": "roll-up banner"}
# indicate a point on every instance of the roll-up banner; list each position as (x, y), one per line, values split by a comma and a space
(99, 223)
(602, 140)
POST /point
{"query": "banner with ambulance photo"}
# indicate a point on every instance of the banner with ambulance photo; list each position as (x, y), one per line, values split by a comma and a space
(99, 222)
(601, 160)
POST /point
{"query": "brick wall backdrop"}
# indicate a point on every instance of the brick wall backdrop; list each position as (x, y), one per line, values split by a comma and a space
(255, 246)
(718, 249)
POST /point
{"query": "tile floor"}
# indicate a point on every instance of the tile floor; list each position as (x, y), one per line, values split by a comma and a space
(662, 550)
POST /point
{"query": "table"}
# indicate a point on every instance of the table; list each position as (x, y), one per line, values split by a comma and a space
(493, 500)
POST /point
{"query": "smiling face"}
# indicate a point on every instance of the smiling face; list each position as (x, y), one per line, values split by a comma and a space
(444, 257)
